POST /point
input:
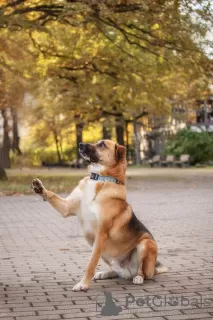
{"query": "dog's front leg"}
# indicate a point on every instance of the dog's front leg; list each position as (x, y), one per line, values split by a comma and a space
(97, 250)
(66, 206)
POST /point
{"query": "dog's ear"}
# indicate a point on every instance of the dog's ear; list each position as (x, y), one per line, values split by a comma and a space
(120, 152)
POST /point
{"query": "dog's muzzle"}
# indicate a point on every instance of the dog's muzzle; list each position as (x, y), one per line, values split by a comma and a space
(88, 152)
(83, 147)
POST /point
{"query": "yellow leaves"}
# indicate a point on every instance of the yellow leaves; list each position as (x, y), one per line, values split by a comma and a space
(92, 133)
(97, 55)
(155, 26)
(161, 59)
(94, 79)
(45, 64)
(8, 10)
(27, 74)
(42, 65)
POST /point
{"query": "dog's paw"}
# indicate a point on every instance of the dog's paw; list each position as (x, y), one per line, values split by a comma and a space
(105, 275)
(100, 275)
(137, 280)
(38, 187)
(80, 287)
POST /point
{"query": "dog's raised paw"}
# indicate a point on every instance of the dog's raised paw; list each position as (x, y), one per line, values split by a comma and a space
(37, 187)
(137, 280)
(80, 287)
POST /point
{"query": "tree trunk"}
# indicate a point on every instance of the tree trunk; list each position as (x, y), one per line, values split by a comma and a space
(5, 150)
(58, 150)
(206, 122)
(57, 147)
(120, 130)
(16, 139)
(79, 138)
(61, 149)
(3, 175)
(137, 142)
(127, 140)
(106, 131)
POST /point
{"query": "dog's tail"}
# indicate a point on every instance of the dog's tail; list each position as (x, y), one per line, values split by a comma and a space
(160, 268)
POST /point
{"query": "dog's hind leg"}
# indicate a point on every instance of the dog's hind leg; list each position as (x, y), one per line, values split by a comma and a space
(147, 255)
(141, 251)
(150, 259)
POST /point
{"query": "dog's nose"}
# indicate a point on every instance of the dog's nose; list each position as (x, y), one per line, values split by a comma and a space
(81, 146)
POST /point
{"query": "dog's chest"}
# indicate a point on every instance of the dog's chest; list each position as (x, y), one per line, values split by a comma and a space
(89, 209)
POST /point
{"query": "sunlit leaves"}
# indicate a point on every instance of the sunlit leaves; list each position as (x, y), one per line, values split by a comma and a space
(88, 58)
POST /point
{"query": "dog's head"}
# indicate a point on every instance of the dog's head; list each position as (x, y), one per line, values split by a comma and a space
(105, 152)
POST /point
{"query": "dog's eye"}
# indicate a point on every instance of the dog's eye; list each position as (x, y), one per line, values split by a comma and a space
(101, 144)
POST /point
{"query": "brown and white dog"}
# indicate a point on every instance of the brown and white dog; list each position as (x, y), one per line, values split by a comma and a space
(107, 220)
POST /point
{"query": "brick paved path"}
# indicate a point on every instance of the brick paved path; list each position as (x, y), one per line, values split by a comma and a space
(43, 255)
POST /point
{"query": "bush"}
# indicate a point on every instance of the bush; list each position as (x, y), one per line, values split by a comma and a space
(199, 145)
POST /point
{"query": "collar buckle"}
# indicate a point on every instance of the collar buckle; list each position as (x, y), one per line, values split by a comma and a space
(94, 176)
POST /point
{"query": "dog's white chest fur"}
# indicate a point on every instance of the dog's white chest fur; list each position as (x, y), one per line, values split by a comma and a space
(89, 208)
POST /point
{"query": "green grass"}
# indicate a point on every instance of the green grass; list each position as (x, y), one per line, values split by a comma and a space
(64, 180)
(21, 183)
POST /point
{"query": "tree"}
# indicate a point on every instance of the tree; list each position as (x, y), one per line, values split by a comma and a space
(11, 100)
(48, 122)
(149, 25)
(12, 61)
(5, 148)
(118, 59)
(16, 138)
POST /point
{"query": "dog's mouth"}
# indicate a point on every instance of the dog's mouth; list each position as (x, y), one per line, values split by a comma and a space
(91, 158)
(84, 156)
(88, 152)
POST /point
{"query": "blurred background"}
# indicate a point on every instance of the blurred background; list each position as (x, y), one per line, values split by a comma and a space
(137, 72)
